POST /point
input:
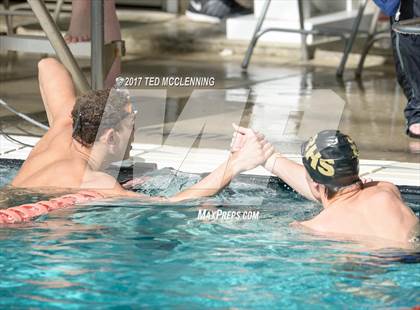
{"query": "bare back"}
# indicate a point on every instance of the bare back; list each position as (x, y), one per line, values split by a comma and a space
(51, 162)
(377, 211)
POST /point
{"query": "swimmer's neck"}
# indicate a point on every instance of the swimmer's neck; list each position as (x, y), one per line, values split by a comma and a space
(342, 196)
(95, 160)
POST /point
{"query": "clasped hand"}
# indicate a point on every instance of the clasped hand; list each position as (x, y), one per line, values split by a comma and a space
(249, 148)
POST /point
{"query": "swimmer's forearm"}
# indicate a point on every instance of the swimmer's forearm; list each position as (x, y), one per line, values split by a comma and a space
(211, 184)
(290, 172)
(208, 186)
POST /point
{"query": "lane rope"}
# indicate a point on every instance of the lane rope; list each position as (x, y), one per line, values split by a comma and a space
(30, 211)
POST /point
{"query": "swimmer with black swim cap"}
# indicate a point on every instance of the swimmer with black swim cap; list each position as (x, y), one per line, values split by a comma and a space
(330, 175)
(332, 159)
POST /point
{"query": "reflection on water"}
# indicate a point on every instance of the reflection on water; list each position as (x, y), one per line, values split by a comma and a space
(130, 254)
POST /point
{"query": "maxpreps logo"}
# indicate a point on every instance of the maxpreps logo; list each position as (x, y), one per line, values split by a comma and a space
(214, 215)
(323, 166)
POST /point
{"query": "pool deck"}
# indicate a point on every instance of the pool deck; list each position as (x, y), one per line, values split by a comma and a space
(284, 98)
(201, 160)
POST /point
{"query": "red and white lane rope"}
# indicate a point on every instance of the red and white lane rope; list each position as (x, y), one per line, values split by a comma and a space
(27, 212)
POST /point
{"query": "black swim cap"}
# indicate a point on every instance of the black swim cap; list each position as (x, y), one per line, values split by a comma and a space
(331, 158)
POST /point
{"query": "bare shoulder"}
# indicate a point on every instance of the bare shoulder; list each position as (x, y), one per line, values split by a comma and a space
(57, 137)
(40, 170)
(385, 202)
(386, 210)
(382, 191)
(388, 186)
(385, 195)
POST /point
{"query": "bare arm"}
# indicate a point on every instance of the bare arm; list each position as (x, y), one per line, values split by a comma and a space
(57, 89)
(290, 172)
(254, 153)
(211, 184)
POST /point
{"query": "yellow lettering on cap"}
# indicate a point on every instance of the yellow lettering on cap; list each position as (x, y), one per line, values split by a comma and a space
(310, 147)
(314, 160)
(323, 166)
(353, 147)
(313, 155)
(326, 167)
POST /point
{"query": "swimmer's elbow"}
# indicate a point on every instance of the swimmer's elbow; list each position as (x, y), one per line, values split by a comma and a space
(308, 195)
(46, 63)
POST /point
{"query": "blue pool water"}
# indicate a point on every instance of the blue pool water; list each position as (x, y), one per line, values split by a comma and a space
(130, 254)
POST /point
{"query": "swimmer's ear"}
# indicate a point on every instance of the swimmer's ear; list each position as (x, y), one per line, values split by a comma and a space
(319, 189)
(109, 137)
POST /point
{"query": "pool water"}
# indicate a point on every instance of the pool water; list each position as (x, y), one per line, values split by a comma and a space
(130, 254)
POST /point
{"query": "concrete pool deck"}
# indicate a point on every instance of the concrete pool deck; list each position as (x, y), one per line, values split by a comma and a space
(282, 91)
(201, 160)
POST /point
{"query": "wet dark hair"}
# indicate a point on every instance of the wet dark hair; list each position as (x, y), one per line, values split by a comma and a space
(97, 111)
